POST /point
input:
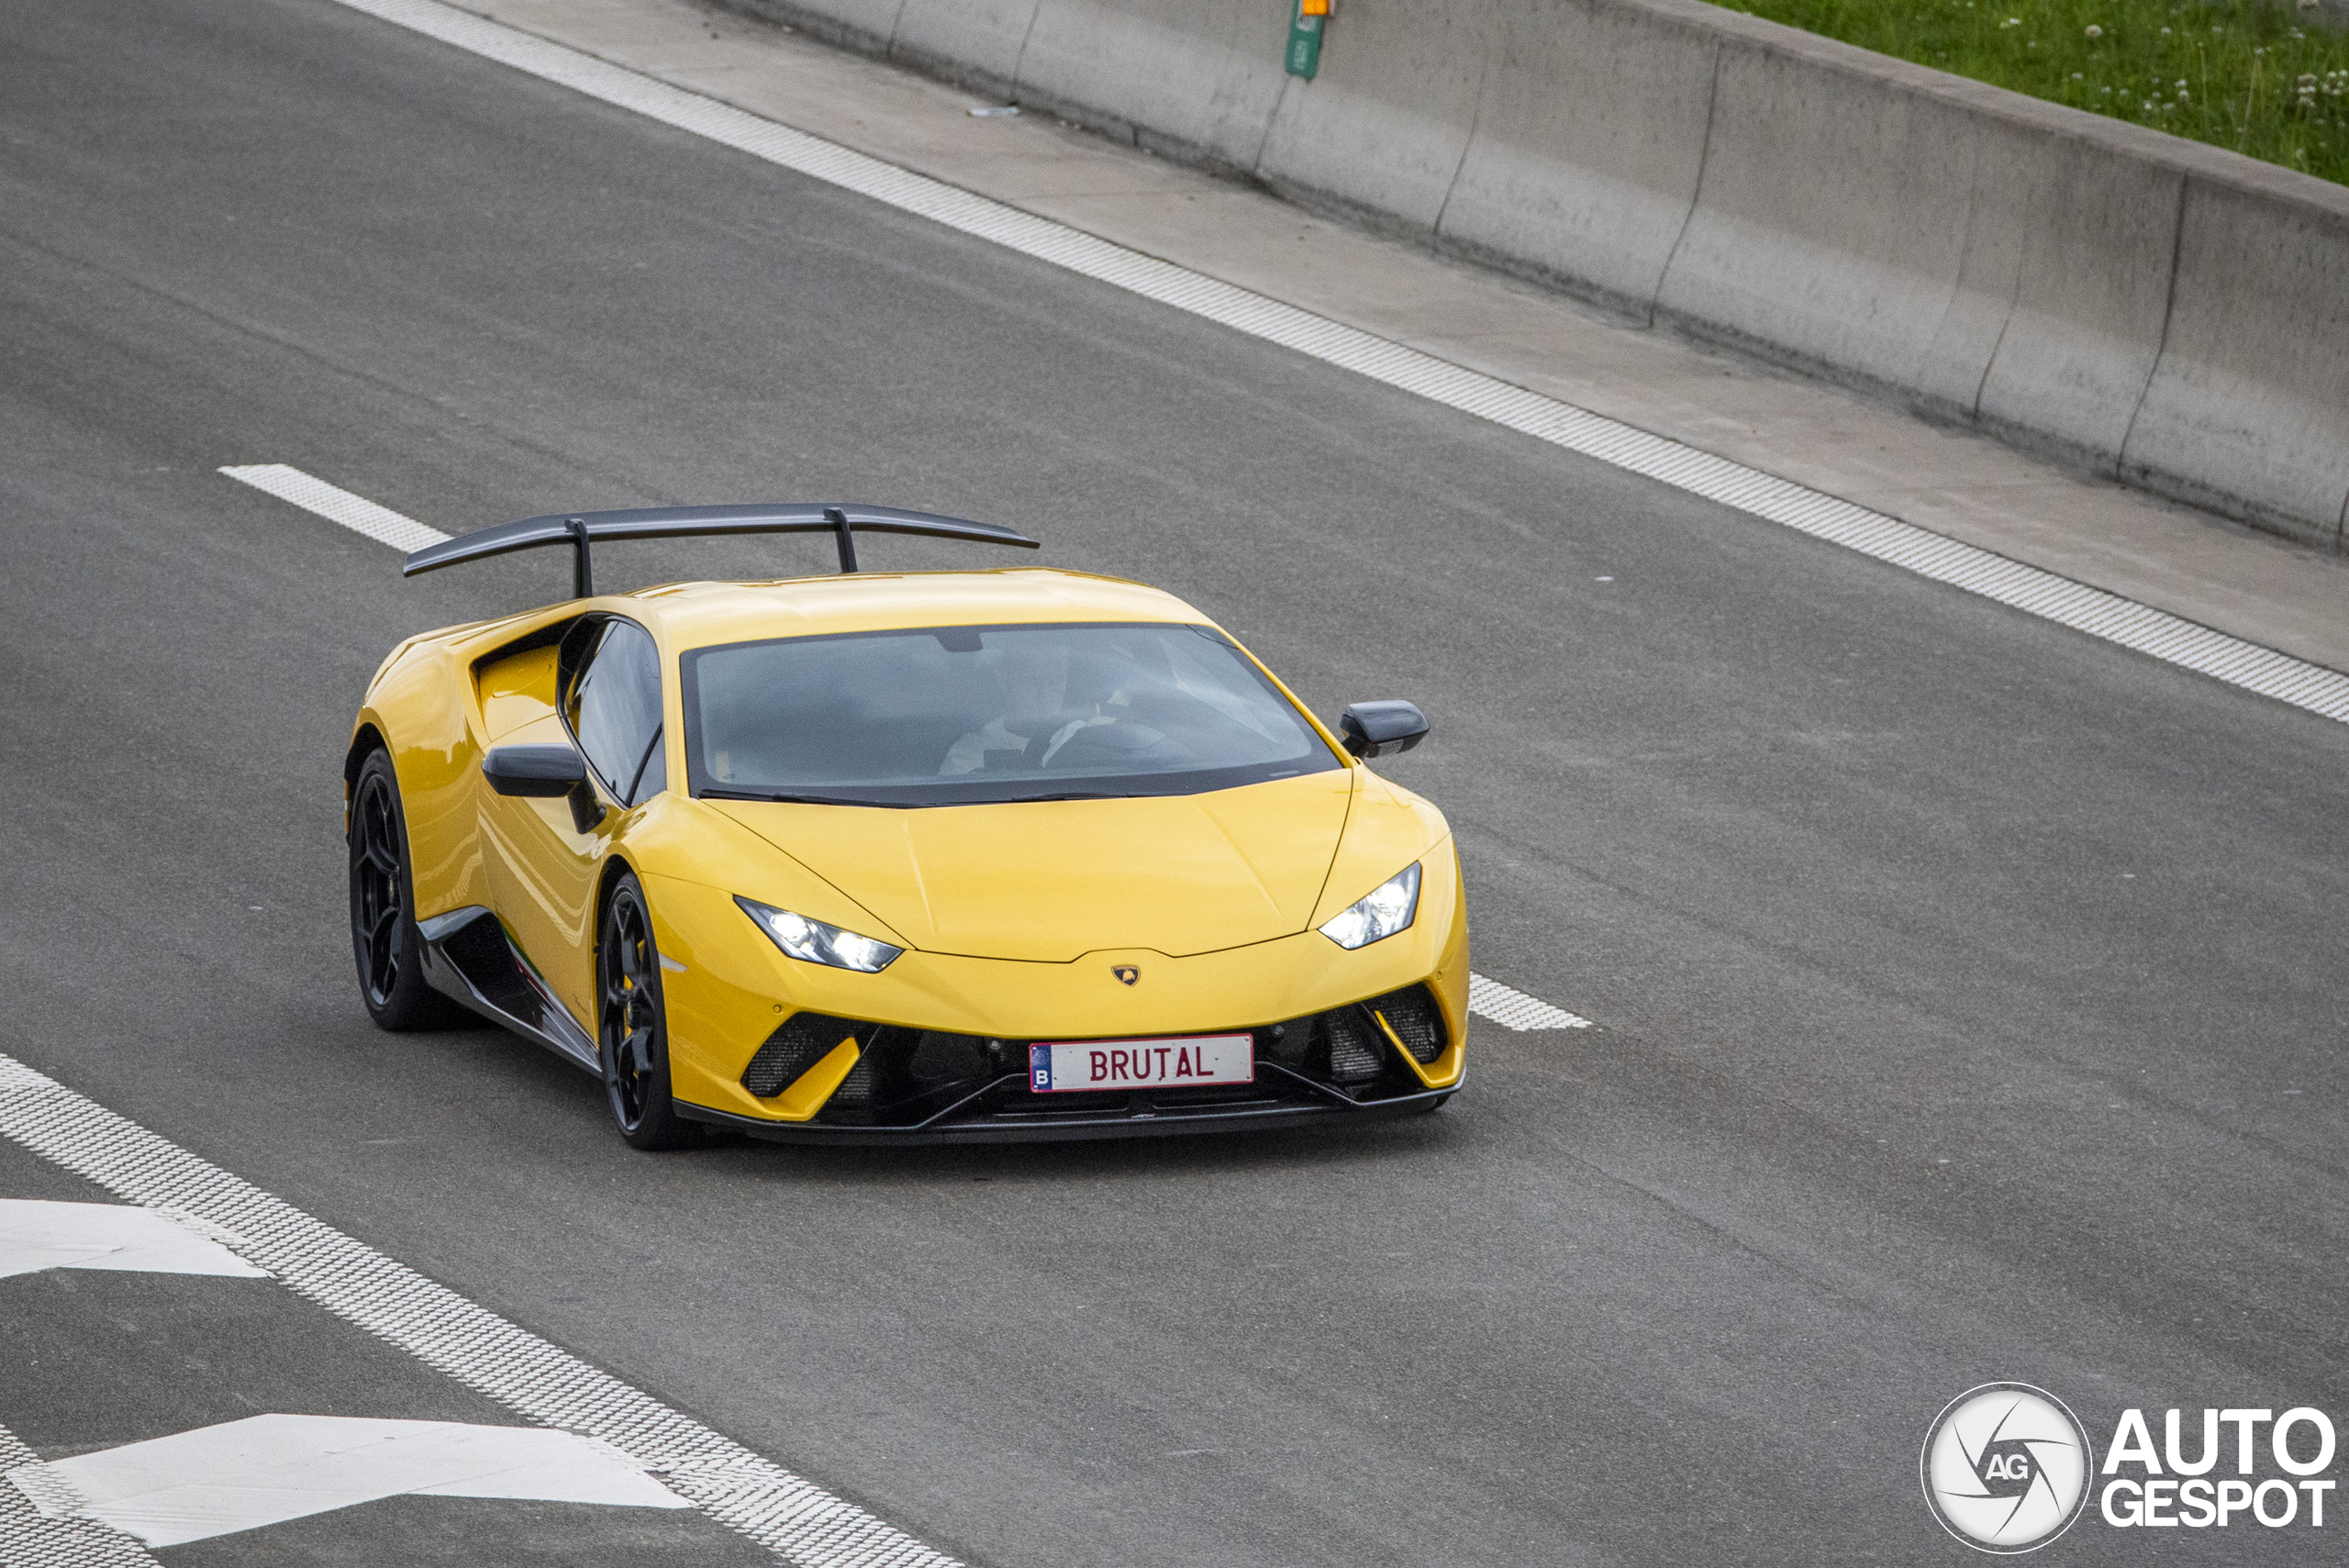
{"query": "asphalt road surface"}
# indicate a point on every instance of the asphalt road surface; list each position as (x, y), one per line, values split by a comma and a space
(1971, 991)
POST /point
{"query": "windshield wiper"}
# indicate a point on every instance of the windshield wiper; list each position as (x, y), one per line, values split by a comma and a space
(714, 793)
(1065, 795)
(791, 799)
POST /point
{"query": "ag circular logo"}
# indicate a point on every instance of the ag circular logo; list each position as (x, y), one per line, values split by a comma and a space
(2006, 1467)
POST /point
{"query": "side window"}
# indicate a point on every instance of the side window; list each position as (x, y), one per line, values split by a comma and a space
(615, 710)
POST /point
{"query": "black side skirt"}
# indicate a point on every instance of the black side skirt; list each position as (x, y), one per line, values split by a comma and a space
(469, 957)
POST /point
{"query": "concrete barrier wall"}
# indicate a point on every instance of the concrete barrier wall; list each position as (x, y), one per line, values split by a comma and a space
(2167, 313)
(972, 40)
(1591, 141)
(2253, 386)
(866, 25)
(1886, 224)
(1384, 126)
(1199, 79)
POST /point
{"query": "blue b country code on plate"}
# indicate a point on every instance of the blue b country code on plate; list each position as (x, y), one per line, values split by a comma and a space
(1185, 1062)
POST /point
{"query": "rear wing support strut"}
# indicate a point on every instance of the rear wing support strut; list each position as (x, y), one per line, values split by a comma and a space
(839, 519)
(583, 569)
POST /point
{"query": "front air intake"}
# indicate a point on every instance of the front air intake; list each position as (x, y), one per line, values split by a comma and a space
(1357, 1054)
(803, 1039)
(1412, 1013)
(908, 1074)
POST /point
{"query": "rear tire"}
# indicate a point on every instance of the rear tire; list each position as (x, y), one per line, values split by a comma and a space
(632, 1026)
(383, 938)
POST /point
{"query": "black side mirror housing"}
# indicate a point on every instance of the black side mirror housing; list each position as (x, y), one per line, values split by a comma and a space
(1381, 728)
(545, 773)
(538, 773)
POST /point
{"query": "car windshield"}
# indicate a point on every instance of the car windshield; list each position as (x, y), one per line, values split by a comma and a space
(961, 715)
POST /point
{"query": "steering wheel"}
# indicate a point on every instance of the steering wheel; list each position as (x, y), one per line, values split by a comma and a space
(1120, 743)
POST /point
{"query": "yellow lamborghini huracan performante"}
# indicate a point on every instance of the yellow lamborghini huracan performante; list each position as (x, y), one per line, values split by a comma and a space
(939, 856)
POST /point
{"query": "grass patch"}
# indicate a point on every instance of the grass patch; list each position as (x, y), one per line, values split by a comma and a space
(2266, 79)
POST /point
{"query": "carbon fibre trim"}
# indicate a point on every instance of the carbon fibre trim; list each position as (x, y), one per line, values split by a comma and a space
(470, 958)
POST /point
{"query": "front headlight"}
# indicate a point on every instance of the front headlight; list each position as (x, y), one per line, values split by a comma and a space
(818, 943)
(1380, 913)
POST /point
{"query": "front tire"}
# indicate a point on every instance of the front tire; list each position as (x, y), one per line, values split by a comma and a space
(384, 938)
(632, 1029)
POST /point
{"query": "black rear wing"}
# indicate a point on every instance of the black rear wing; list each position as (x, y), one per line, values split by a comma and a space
(580, 530)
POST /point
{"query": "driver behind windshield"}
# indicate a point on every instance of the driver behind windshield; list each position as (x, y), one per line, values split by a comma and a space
(964, 714)
(1049, 698)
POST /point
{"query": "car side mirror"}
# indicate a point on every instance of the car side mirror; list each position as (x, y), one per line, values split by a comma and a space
(534, 772)
(545, 773)
(1381, 728)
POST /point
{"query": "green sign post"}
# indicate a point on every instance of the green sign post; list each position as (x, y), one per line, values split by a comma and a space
(1305, 38)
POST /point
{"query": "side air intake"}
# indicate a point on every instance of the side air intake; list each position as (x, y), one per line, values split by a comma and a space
(1412, 1013)
(803, 1039)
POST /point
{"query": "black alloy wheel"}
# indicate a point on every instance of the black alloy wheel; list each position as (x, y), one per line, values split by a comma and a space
(632, 1034)
(384, 938)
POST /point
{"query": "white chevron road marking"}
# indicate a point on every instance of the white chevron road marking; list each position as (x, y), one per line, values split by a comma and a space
(36, 1235)
(265, 1470)
(799, 1521)
(33, 1536)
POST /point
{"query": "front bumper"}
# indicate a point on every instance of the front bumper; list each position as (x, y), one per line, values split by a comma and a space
(934, 1048)
(833, 1079)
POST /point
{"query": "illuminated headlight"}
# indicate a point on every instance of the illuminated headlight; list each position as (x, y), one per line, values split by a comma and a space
(1379, 914)
(818, 943)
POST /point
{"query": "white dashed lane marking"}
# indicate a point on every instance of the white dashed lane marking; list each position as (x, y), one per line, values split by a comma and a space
(1516, 1010)
(1486, 998)
(2169, 638)
(353, 512)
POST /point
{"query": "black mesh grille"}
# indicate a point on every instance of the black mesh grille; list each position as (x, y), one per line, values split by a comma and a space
(1357, 1054)
(855, 1093)
(1412, 1013)
(803, 1039)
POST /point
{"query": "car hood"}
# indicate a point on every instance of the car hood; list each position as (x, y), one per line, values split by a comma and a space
(1051, 881)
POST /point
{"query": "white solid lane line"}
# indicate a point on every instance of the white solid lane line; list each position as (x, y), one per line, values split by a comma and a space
(264, 1470)
(36, 1235)
(1486, 998)
(353, 512)
(2099, 614)
(796, 1519)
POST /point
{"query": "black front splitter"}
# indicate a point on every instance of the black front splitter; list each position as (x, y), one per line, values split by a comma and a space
(1020, 1129)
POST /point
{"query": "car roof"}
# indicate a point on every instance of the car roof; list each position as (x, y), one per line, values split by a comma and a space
(702, 615)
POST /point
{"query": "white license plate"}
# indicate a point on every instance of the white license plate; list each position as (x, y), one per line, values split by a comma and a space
(1067, 1067)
